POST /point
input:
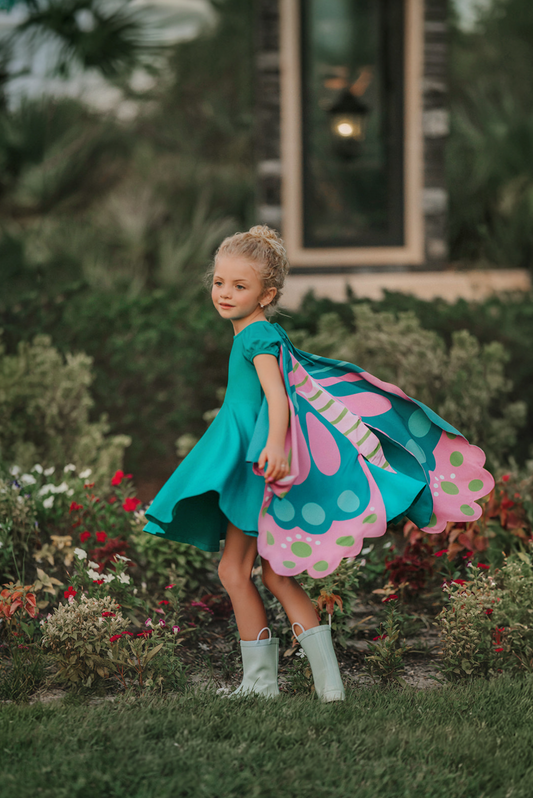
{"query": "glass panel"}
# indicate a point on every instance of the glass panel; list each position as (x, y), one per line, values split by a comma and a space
(352, 98)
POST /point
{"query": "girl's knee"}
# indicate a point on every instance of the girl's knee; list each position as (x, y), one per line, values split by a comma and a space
(273, 581)
(231, 575)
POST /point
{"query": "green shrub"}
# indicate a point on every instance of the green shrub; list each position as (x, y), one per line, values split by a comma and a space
(464, 383)
(487, 624)
(44, 411)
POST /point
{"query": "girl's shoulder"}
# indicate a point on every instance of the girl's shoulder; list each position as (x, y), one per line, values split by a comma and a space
(260, 337)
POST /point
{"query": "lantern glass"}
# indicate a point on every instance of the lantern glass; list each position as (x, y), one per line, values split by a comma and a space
(352, 115)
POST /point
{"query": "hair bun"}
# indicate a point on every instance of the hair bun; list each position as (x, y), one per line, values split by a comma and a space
(263, 231)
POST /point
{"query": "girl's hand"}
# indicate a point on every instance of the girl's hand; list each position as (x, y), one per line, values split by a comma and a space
(278, 466)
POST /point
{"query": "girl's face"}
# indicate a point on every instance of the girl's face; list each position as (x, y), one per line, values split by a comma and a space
(237, 289)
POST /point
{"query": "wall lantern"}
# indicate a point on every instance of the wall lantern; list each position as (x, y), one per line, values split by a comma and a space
(348, 121)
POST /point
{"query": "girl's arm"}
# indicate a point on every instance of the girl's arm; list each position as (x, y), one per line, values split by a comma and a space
(278, 417)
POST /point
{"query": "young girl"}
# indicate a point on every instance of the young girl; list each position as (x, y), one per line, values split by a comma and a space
(306, 457)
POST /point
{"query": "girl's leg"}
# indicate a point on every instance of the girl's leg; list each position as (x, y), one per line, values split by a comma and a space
(235, 572)
(292, 597)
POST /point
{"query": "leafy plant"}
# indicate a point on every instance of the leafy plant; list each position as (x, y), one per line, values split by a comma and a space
(486, 625)
(384, 660)
(78, 636)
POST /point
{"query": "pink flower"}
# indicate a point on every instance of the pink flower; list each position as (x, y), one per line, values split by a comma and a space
(175, 629)
(168, 587)
(202, 606)
(162, 623)
(117, 478)
(148, 622)
(131, 504)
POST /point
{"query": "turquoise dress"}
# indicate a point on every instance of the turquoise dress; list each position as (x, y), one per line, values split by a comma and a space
(361, 453)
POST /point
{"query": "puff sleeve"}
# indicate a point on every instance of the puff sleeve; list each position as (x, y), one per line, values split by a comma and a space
(260, 338)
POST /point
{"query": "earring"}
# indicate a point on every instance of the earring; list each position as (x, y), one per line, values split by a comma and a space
(261, 306)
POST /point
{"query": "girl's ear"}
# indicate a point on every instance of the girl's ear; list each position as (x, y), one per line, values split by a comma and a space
(268, 296)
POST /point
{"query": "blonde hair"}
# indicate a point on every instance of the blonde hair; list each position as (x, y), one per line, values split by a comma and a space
(264, 247)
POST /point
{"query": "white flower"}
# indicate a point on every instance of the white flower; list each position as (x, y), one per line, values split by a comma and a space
(28, 479)
(14, 470)
(107, 578)
(86, 473)
(300, 653)
(38, 468)
(63, 488)
(124, 578)
(92, 564)
(92, 573)
(48, 471)
(124, 559)
(70, 492)
(49, 502)
(81, 554)
(48, 488)
(20, 499)
(1, 545)
(69, 467)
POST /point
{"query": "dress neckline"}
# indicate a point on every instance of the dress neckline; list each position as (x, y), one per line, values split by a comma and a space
(261, 321)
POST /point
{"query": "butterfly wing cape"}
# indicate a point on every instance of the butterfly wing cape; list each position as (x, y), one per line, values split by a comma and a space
(361, 453)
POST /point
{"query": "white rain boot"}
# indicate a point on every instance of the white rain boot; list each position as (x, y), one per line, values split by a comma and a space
(318, 646)
(260, 667)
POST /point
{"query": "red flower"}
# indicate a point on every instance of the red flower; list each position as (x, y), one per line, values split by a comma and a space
(168, 587)
(483, 566)
(458, 581)
(117, 477)
(489, 612)
(498, 650)
(84, 536)
(128, 476)
(380, 637)
(101, 537)
(131, 504)
(146, 633)
(108, 615)
(390, 598)
(98, 581)
(113, 638)
(89, 485)
(441, 553)
(70, 592)
(74, 506)
(506, 477)
(163, 602)
(112, 500)
(130, 634)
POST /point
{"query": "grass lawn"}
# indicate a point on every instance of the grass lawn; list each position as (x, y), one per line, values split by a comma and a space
(467, 741)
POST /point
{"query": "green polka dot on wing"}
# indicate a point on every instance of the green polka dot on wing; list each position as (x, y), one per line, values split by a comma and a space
(321, 565)
(313, 514)
(467, 510)
(419, 424)
(370, 519)
(450, 435)
(348, 501)
(475, 485)
(347, 540)
(416, 450)
(270, 539)
(283, 509)
(301, 549)
(456, 459)
(289, 564)
(433, 521)
(449, 488)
